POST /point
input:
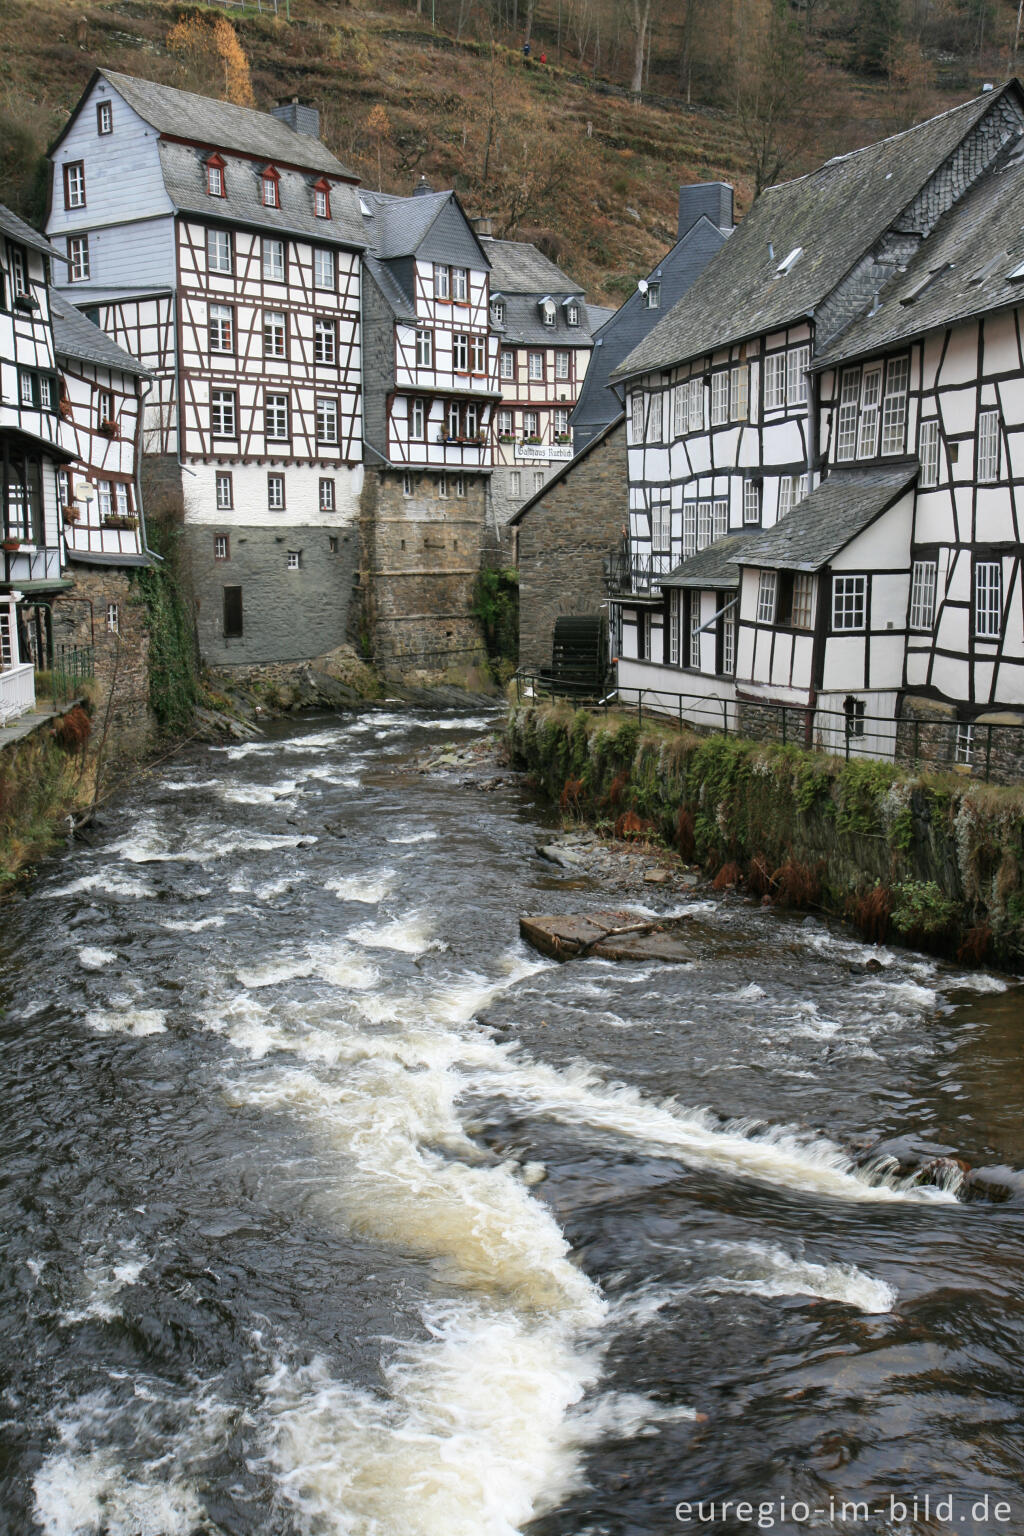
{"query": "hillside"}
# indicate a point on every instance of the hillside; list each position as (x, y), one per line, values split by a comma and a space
(553, 153)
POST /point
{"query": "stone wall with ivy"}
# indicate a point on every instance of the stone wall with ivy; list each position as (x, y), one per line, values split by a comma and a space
(936, 861)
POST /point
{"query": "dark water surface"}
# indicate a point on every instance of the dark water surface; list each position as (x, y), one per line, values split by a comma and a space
(330, 1210)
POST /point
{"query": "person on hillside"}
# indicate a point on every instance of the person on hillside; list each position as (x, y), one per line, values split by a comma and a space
(543, 58)
(526, 49)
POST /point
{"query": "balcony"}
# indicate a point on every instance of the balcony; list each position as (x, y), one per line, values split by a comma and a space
(629, 575)
(17, 690)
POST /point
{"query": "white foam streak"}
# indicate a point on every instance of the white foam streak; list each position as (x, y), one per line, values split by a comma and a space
(761, 1269)
(409, 935)
(94, 1495)
(127, 1020)
(365, 888)
(93, 959)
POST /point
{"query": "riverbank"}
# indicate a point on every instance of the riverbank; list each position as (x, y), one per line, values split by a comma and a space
(933, 861)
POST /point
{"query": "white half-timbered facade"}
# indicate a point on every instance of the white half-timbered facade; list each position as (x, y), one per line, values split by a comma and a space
(221, 246)
(822, 514)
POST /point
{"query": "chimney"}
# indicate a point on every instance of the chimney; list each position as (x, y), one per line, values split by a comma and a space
(710, 199)
(422, 188)
(484, 226)
(299, 116)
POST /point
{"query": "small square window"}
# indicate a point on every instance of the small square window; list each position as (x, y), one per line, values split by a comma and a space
(221, 547)
(294, 559)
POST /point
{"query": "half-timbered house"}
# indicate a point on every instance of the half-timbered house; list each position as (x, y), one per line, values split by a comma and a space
(221, 247)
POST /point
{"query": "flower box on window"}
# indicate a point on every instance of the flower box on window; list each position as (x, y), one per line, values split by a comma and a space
(122, 520)
(531, 440)
(108, 427)
(563, 437)
(10, 545)
(506, 437)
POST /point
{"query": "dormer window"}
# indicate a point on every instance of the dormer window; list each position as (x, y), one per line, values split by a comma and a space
(653, 296)
(322, 200)
(572, 315)
(270, 189)
(215, 177)
(547, 311)
(498, 311)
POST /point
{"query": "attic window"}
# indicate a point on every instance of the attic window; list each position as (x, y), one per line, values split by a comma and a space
(215, 176)
(1017, 275)
(572, 315)
(785, 267)
(925, 282)
(547, 311)
(321, 200)
(653, 296)
(270, 188)
(498, 311)
(365, 209)
(104, 117)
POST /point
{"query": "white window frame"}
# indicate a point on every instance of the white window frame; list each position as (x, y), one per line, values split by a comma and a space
(661, 524)
(324, 269)
(894, 405)
(508, 363)
(751, 501)
(221, 320)
(477, 355)
(729, 643)
(407, 484)
(654, 417)
(767, 591)
(325, 341)
(802, 612)
(988, 599)
(720, 387)
(78, 261)
(276, 417)
(275, 493)
(928, 454)
(327, 495)
(273, 260)
(113, 619)
(696, 404)
(515, 482)
(720, 518)
(849, 604)
(923, 586)
(418, 419)
(460, 285)
(870, 412)
(674, 602)
(223, 413)
(505, 422)
(327, 421)
(798, 360)
(739, 392)
(460, 352)
(104, 117)
(693, 638)
(535, 367)
(219, 253)
(636, 411)
(562, 365)
(221, 546)
(531, 424)
(293, 560)
(774, 381)
(224, 493)
(705, 523)
(424, 349)
(988, 447)
(964, 741)
(689, 529)
(442, 283)
(275, 329)
(74, 184)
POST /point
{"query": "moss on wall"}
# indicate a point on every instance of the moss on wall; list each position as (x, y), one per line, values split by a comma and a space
(934, 860)
(173, 655)
(43, 778)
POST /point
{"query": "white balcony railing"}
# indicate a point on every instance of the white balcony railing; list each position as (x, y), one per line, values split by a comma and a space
(17, 691)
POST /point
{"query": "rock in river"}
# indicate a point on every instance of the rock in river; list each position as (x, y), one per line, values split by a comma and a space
(609, 935)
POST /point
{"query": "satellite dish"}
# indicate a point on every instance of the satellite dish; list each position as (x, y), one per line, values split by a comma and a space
(642, 285)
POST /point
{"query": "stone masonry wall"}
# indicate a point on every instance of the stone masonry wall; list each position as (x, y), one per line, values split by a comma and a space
(564, 540)
(120, 657)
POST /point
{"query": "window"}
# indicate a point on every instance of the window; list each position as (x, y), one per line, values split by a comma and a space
(855, 711)
(332, 545)
(498, 311)
(27, 389)
(327, 499)
(928, 454)
(442, 487)
(674, 599)
(478, 354)
(894, 405)
(104, 117)
(104, 407)
(508, 364)
(654, 418)
(275, 334)
(535, 371)
(751, 501)
(407, 484)
(232, 613)
(849, 602)
(504, 423)
(720, 397)
(988, 599)
(78, 262)
(273, 260)
(515, 483)
(460, 285)
(225, 495)
(327, 421)
(222, 328)
(218, 250)
(276, 418)
(561, 421)
(802, 604)
(661, 526)
(988, 446)
(46, 392)
(454, 419)
(785, 496)
(419, 418)
(104, 500)
(964, 741)
(704, 524)
(531, 424)
(720, 519)
(696, 404)
(223, 418)
(275, 493)
(774, 381)
(561, 365)
(636, 404)
(922, 594)
(547, 311)
(215, 177)
(294, 559)
(694, 636)
(652, 297)
(323, 269)
(679, 410)
(113, 619)
(74, 184)
(739, 384)
(846, 426)
(728, 633)
(689, 529)
(321, 202)
(797, 362)
(470, 419)
(442, 284)
(870, 395)
(572, 315)
(424, 349)
(460, 485)
(460, 354)
(325, 341)
(766, 597)
(538, 480)
(221, 547)
(270, 190)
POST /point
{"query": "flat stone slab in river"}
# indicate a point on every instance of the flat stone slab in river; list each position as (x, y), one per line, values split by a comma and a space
(609, 935)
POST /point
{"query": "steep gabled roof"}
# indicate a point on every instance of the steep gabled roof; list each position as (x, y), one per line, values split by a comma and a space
(833, 215)
(76, 337)
(200, 119)
(396, 227)
(829, 518)
(24, 234)
(518, 267)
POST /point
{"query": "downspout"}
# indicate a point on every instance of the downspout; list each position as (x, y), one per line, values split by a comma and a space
(142, 395)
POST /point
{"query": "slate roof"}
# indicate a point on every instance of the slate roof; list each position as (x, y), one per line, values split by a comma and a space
(184, 115)
(394, 293)
(75, 336)
(829, 518)
(184, 173)
(714, 566)
(972, 251)
(835, 214)
(24, 234)
(524, 327)
(397, 226)
(598, 314)
(518, 267)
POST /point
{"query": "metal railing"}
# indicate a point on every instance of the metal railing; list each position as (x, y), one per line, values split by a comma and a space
(72, 665)
(990, 751)
(17, 690)
(635, 574)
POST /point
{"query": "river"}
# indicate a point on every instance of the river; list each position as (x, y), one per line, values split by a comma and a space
(331, 1210)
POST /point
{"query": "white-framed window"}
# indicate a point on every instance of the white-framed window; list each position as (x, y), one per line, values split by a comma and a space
(275, 415)
(988, 599)
(922, 594)
(751, 501)
(508, 363)
(538, 480)
(78, 262)
(693, 648)
(221, 546)
(720, 519)
(636, 407)
(515, 483)
(928, 454)
(327, 421)
(214, 178)
(222, 328)
(561, 365)
(988, 446)
(294, 559)
(460, 485)
(223, 416)
(270, 191)
(849, 602)
(442, 283)
(460, 285)
(661, 525)
(74, 184)
(729, 642)
(505, 423)
(498, 311)
(870, 400)
(739, 392)
(104, 500)
(19, 270)
(275, 493)
(653, 296)
(478, 354)
(104, 117)
(323, 269)
(275, 333)
(785, 496)
(674, 601)
(800, 484)
(680, 404)
(654, 416)
(460, 353)
(273, 260)
(704, 524)
(425, 348)
(547, 313)
(27, 389)
(535, 367)
(720, 397)
(218, 250)
(774, 381)
(894, 405)
(689, 529)
(531, 423)
(803, 601)
(121, 498)
(454, 419)
(572, 315)
(328, 499)
(321, 203)
(696, 408)
(419, 418)
(964, 741)
(442, 487)
(766, 590)
(798, 360)
(407, 484)
(846, 423)
(325, 341)
(470, 419)
(45, 392)
(561, 420)
(113, 619)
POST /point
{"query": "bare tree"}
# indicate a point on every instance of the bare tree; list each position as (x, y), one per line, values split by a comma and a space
(772, 86)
